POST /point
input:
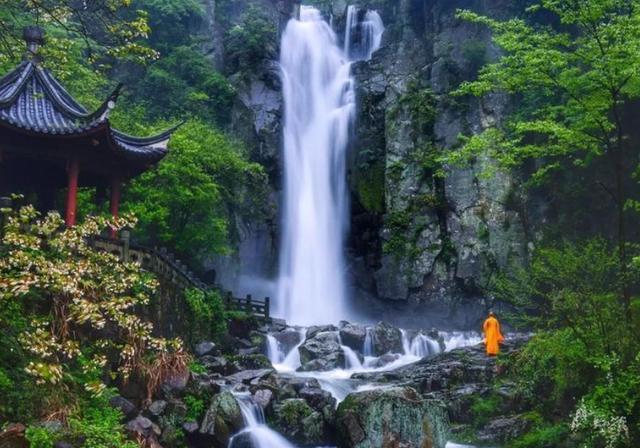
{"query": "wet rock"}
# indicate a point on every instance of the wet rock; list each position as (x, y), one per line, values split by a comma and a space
(140, 426)
(222, 419)
(218, 364)
(61, 444)
(317, 398)
(386, 339)
(190, 427)
(127, 408)
(321, 352)
(263, 397)
(503, 429)
(249, 376)
(157, 407)
(249, 351)
(353, 335)
(315, 329)
(387, 417)
(298, 422)
(250, 361)
(287, 339)
(205, 348)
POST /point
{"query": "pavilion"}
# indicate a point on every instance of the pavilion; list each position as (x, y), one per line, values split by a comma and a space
(49, 141)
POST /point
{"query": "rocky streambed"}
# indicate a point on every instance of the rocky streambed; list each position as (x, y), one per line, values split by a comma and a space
(347, 385)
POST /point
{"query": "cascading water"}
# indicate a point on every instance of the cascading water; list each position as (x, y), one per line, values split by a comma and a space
(367, 349)
(367, 32)
(260, 434)
(319, 99)
(319, 110)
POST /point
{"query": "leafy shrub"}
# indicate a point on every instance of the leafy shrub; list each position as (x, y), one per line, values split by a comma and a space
(207, 317)
(40, 437)
(252, 40)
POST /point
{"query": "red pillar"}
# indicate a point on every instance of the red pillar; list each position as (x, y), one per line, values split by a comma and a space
(73, 169)
(115, 200)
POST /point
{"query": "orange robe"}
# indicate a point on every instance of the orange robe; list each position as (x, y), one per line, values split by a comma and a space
(492, 335)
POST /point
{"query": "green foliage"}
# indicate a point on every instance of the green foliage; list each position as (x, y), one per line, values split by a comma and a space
(543, 436)
(252, 40)
(189, 86)
(67, 315)
(195, 407)
(98, 425)
(207, 317)
(370, 187)
(191, 200)
(170, 21)
(40, 437)
(485, 408)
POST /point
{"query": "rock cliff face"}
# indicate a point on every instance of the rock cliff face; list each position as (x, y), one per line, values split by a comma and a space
(422, 233)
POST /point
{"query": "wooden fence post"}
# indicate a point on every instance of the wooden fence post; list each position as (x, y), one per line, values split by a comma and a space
(5, 209)
(267, 305)
(248, 304)
(126, 240)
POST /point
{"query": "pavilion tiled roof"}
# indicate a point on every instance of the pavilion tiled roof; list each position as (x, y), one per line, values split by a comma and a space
(32, 100)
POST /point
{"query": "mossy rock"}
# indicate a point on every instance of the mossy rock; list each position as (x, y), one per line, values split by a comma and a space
(385, 417)
(298, 422)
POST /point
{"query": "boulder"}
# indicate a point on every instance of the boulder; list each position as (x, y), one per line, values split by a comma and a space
(321, 352)
(222, 419)
(263, 397)
(353, 335)
(250, 361)
(157, 407)
(218, 364)
(315, 329)
(249, 376)
(503, 429)
(205, 348)
(298, 422)
(386, 339)
(125, 406)
(386, 418)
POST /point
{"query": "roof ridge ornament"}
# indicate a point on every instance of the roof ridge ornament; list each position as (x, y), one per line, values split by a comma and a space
(33, 35)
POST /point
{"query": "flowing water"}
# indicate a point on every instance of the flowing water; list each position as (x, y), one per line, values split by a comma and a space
(261, 435)
(319, 99)
(319, 110)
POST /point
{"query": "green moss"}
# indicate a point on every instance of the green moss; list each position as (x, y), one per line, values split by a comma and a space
(370, 186)
(484, 408)
(293, 411)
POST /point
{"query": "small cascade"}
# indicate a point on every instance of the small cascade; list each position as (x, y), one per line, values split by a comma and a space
(274, 350)
(367, 349)
(363, 34)
(420, 346)
(458, 339)
(261, 435)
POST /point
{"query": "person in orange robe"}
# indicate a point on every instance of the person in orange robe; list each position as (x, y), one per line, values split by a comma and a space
(492, 335)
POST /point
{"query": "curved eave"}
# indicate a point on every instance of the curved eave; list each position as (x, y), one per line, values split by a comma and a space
(144, 150)
(38, 129)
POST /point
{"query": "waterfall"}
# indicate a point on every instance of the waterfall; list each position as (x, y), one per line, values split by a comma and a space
(367, 33)
(420, 346)
(352, 362)
(319, 110)
(260, 434)
(367, 349)
(274, 351)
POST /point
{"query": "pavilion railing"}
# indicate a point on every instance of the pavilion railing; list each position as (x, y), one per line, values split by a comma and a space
(168, 268)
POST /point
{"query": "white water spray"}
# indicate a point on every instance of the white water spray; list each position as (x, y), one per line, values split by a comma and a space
(261, 435)
(362, 38)
(319, 100)
(319, 110)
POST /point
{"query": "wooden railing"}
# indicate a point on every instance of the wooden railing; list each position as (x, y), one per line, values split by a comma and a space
(172, 270)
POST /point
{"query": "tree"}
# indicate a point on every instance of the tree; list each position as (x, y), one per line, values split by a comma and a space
(68, 312)
(106, 27)
(193, 199)
(574, 78)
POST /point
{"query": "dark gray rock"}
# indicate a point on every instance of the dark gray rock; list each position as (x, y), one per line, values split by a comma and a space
(127, 408)
(248, 376)
(218, 364)
(315, 329)
(503, 429)
(190, 427)
(353, 335)
(263, 397)
(157, 407)
(205, 348)
(391, 417)
(386, 339)
(222, 419)
(321, 352)
(298, 422)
